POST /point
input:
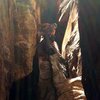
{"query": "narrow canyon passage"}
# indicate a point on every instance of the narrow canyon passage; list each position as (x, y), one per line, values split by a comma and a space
(44, 81)
(40, 51)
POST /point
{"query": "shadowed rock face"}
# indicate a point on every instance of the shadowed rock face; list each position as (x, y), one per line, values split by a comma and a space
(18, 28)
(89, 25)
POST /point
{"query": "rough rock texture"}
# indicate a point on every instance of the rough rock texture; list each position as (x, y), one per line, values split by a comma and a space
(66, 88)
(18, 28)
(70, 45)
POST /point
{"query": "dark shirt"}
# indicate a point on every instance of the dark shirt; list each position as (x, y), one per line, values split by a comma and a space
(45, 47)
(49, 39)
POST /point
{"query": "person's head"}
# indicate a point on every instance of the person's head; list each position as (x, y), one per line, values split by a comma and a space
(49, 28)
(53, 27)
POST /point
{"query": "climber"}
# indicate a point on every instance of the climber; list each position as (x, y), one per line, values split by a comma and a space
(45, 42)
(48, 37)
(51, 46)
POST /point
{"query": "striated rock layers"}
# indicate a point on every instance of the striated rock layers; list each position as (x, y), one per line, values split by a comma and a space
(68, 16)
(18, 28)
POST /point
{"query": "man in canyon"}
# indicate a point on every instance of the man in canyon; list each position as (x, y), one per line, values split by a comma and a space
(46, 39)
(47, 47)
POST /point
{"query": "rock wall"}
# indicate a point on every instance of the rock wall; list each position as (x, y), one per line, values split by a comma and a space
(18, 28)
(68, 13)
(89, 27)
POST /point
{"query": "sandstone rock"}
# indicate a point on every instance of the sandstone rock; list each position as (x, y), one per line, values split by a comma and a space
(70, 45)
(66, 88)
(18, 28)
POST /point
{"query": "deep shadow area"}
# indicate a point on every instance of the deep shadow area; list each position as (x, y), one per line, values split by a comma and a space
(89, 26)
(49, 12)
(61, 27)
(26, 88)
